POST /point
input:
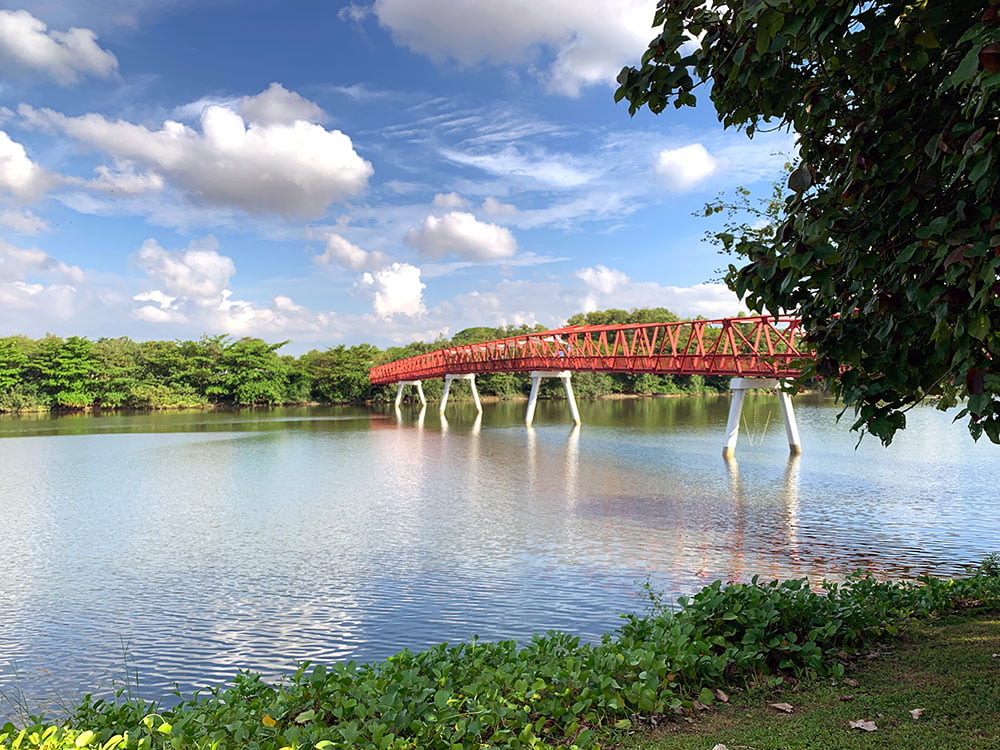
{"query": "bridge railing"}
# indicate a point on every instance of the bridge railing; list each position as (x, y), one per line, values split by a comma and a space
(759, 346)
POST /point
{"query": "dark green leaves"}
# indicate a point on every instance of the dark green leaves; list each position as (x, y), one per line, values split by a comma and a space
(886, 245)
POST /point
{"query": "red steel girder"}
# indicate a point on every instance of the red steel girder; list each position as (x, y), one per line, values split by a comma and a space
(759, 346)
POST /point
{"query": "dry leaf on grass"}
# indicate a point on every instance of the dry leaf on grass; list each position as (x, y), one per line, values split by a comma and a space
(917, 712)
(868, 726)
(851, 682)
(721, 695)
(786, 707)
(847, 697)
(720, 747)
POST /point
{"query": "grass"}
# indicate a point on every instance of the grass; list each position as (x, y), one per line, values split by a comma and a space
(947, 667)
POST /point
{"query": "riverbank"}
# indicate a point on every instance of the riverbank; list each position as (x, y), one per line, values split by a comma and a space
(656, 670)
(938, 686)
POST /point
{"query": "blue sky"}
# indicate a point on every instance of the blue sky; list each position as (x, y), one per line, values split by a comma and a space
(342, 172)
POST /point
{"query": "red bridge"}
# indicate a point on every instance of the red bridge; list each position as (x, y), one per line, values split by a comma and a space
(758, 352)
(761, 346)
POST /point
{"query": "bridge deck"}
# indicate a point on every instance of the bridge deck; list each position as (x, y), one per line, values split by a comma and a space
(758, 346)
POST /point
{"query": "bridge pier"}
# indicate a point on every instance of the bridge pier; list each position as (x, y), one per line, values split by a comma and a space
(447, 387)
(420, 391)
(536, 379)
(739, 387)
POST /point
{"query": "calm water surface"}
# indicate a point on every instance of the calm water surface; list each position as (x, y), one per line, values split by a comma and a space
(189, 545)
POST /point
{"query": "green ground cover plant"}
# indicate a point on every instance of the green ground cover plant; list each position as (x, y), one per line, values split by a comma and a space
(554, 691)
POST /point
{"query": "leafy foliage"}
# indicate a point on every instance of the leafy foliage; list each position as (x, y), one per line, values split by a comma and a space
(552, 692)
(890, 242)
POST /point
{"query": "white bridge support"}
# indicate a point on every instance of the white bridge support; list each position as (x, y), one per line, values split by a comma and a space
(536, 379)
(420, 391)
(447, 387)
(739, 387)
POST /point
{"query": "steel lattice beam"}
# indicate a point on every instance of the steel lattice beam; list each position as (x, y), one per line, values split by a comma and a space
(760, 346)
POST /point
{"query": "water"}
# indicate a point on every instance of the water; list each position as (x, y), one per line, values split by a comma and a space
(187, 546)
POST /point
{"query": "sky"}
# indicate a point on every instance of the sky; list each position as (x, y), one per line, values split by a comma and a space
(328, 173)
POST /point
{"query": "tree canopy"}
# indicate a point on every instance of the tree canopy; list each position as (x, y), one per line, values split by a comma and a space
(889, 244)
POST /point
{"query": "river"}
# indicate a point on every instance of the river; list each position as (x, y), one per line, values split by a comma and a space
(177, 548)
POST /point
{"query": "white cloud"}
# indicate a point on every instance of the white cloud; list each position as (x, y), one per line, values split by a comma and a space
(194, 288)
(602, 279)
(199, 273)
(494, 207)
(35, 287)
(277, 105)
(533, 166)
(450, 200)
(23, 222)
(609, 287)
(27, 46)
(123, 182)
(17, 264)
(461, 234)
(347, 254)
(397, 290)
(355, 12)
(19, 175)
(686, 166)
(590, 41)
(296, 169)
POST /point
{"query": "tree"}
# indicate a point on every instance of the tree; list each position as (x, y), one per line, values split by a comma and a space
(64, 371)
(889, 246)
(340, 374)
(253, 373)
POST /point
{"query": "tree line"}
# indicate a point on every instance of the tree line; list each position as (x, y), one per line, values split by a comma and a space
(119, 373)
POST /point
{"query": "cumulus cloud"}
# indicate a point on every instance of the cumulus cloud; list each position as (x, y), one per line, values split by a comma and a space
(347, 254)
(608, 287)
(449, 200)
(589, 41)
(276, 105)
(36, 286)
(194, 288)
(199, 273)
(397, 289)
(27, 46)
(18, 264)
(601, 278)
(685, 167)
(20, 177)
(461, 234)
(295, 169)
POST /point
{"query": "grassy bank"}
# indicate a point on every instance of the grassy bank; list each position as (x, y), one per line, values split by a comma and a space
(938, 686)
(655, 670)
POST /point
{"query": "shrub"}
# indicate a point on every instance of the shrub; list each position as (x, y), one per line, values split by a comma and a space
(553, 691)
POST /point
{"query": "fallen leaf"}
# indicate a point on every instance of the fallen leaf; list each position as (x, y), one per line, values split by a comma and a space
(699, 706)
(868, 726)
(917, 712)
(851, 682)
(847, 697)
(721, 695)
(720, 747)
(786, 707)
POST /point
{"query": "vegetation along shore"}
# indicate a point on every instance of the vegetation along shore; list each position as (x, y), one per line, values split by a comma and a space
(75, 373)
(657, 670)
